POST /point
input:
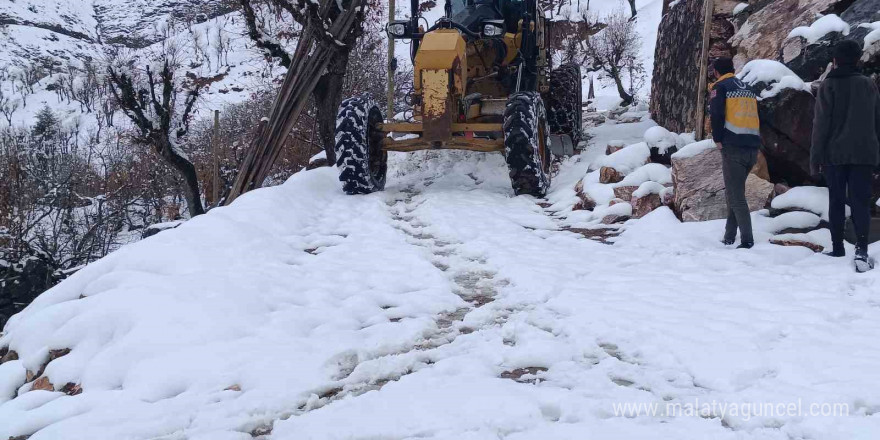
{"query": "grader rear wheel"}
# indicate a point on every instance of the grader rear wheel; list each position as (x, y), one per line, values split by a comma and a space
(564, 110)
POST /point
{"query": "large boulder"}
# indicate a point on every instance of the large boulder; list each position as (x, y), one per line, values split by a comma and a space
(786, 133)
(699, 184)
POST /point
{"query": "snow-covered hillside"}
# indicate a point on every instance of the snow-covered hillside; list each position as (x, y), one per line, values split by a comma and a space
(446, 308)
(67, 33)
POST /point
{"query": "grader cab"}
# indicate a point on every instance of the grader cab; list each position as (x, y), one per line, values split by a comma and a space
(481, 82)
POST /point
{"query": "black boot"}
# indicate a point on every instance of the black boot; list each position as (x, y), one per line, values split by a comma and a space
(728, 241)
(862, 262)
(745, 245)
(837, 251)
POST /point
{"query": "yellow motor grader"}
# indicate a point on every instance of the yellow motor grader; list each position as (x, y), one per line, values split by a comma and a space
(481, 82)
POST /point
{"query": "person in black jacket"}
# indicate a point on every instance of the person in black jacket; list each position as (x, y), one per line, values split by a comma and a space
(846, 129)
(736, 130)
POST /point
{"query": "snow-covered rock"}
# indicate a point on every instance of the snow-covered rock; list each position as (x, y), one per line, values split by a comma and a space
(662, 142)
(825, 25)
(805, 198)
(653, 172)
(773, 75)
(609, 175)
(872, 37)
(694, 149)
(318, 160)
(795, 222)
(627, 159)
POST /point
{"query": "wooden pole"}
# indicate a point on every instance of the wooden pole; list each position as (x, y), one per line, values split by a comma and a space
(315, 48)
(390, 96)
(700, 111)
(215, 175)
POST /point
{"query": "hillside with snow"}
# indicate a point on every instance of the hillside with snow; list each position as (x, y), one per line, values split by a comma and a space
(446, 308)
(62, 38)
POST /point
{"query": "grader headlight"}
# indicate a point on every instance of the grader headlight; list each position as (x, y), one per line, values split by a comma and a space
(398, 29)
(493, 28)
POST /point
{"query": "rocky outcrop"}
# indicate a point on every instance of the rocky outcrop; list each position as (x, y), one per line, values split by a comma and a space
(676, 67)
(763, 35)
(812, 60)
(699, 187)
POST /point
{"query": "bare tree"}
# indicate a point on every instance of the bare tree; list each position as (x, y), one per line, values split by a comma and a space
(328, 93)
(8, 106)
(151, 101)
(83, 85)
(614, 50)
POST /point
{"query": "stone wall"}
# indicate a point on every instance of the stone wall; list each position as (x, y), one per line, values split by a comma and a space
(676, 66)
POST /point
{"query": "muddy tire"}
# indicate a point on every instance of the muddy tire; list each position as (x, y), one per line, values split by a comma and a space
(527, 144)
(564, 111)
(359, 157)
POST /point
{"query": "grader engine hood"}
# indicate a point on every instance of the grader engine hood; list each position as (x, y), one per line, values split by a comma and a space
(440, 78)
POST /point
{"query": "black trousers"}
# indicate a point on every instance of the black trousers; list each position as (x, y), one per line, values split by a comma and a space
(737, 163)
(849, 185)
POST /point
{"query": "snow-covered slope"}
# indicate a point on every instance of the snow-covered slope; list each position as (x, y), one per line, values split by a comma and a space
(62, 34)
(445, 308)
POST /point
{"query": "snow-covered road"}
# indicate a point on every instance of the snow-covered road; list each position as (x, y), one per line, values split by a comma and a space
(446, 308)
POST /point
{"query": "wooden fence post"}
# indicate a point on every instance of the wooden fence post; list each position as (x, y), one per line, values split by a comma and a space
(391, 13)
(215, 174)
(700, 110)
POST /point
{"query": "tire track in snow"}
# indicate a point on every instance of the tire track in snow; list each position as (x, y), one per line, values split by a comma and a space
(471, 279)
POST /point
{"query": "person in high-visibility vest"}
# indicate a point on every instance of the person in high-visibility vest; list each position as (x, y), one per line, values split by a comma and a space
(737, 131)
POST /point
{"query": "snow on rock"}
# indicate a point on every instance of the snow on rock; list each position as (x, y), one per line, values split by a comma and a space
(660, 138)
(627, 159)
(739, 8)
(647, 188)
(12, 375)
(654, 172)
(318, 160)
(807, 198)
(794, 220)
(772, 73)
(617, 210)
(873, 36)
(694, 149)
(820, 28)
